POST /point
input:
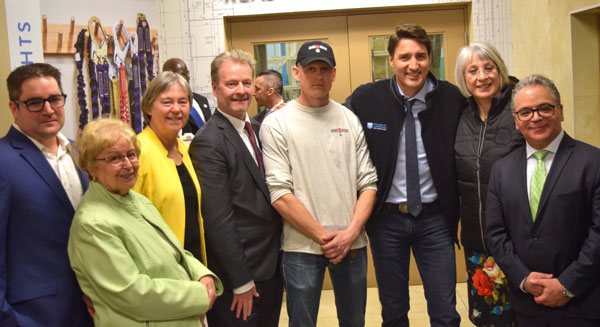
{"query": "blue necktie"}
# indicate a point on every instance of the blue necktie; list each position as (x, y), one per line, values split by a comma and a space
(196, 117)
(413, 188)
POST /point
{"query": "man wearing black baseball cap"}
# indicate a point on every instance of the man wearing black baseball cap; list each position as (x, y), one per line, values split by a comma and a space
(323, 183)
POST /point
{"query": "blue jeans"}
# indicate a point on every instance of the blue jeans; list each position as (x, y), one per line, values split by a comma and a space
(303, 275)
(392, 236)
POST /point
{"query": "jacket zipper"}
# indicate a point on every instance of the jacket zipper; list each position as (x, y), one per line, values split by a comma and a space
(479, 150)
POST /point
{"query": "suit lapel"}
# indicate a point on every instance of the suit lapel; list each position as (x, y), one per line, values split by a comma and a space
(34, 157)
(558, 164)
(263, 184)
(82, 176)
(233, 137)
(203, 104)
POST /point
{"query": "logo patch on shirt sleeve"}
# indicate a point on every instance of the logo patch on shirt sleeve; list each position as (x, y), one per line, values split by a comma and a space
(377, 126)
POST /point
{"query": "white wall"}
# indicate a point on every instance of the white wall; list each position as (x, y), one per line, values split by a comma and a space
(109, 12)
(193, 29)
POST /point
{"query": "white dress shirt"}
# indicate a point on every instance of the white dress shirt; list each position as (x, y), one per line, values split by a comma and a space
(63, 165)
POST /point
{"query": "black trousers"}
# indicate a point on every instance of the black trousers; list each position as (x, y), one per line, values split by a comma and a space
(265, 308)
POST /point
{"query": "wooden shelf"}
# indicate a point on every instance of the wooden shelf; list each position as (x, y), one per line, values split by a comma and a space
(59, 39)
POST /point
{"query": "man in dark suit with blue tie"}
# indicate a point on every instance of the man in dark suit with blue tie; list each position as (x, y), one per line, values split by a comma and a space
(543, 215)
(242, 228)
(40, 187)
(200, 112)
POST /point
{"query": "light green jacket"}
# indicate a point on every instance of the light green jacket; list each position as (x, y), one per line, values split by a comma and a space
(119, 250)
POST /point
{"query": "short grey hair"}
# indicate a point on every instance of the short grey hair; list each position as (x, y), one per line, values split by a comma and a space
(234, 55)
(159, 84)
(534, 80)
(483, 51)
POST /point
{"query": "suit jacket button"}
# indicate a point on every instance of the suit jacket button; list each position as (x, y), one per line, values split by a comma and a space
(535, 238)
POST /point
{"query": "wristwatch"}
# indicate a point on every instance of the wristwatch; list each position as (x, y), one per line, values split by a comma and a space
(566, 293)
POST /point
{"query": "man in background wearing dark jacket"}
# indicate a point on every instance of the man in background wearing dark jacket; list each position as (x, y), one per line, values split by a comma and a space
(200, 111)
(410, 124)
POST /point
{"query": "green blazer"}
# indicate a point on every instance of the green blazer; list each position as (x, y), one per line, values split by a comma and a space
(132, 266)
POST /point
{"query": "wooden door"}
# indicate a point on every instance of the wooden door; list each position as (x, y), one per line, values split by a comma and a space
(351, 36)
(250, 34)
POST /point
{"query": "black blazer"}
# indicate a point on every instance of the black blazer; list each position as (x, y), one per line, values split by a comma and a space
(241, 227)
(381, 112)
(259, 117)
(191, 126)
(565, 238)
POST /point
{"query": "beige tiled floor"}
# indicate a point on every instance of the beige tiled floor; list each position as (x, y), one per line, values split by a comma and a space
(417, 315)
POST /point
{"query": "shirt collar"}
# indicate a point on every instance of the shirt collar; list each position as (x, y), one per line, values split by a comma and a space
(277, 104)
(63, 142)
(236, 122)
(552, 147)
(427, 87)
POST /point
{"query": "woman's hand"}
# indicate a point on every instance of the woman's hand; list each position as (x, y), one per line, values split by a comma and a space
(209, 284)
(89, 305)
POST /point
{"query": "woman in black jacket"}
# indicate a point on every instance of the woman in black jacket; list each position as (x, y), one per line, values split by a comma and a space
(486, 132)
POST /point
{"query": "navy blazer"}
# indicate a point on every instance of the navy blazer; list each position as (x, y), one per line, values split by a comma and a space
(191, 126)
(37, 285)
(242, 229)
(563, 241)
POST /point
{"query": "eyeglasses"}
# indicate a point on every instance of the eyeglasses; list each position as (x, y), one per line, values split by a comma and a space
(117, 160)
(486, 70)
(526, 114)
(37, 104)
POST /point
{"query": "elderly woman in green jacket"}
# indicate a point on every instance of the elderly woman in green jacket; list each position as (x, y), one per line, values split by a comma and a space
(126, 259)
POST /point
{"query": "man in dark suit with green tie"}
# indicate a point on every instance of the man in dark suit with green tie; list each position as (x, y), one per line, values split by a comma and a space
(543, 215)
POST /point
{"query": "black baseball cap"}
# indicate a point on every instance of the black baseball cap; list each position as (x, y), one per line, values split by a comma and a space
(313, 51)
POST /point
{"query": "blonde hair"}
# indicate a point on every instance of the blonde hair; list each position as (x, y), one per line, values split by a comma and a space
(483, 51)
(159, 84)
(98, 135)
(234, 55)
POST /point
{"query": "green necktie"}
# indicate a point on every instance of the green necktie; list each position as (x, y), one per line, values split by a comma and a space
(537, 182)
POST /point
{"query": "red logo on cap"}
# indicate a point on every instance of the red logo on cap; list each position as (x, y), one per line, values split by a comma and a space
(317, 48)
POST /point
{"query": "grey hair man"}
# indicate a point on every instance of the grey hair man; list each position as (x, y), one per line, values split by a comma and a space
(242, 229)
(543, 215)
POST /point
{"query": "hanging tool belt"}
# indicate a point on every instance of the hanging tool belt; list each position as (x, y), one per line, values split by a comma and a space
(116, 88)
(120, 64)
(98, 55)
(79, 53)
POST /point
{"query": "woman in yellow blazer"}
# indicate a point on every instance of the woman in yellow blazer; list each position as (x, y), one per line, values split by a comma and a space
(166, 175)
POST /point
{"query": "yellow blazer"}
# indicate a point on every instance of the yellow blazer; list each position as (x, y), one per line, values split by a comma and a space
(159, 181)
